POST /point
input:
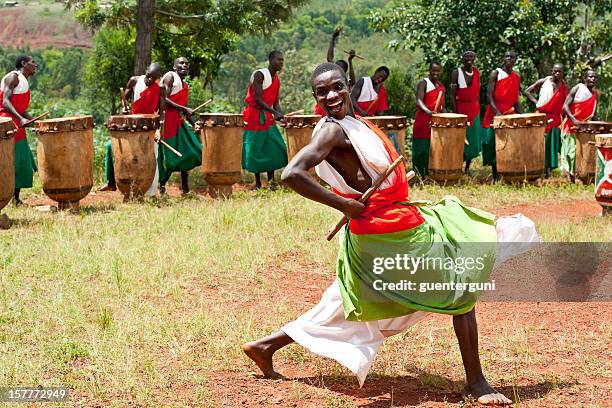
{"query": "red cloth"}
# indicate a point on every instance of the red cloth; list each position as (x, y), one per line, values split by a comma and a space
(422, 121)
(252, 112)
(582, 111)
(379, 104)
(382, 213)
(554, 107)
(20, 102)
(148, 102)
(467, 100)
(172, 117)
(505, 95)
(318, 110)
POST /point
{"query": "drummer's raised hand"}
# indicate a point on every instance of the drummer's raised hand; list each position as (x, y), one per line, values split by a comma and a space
(157, 136)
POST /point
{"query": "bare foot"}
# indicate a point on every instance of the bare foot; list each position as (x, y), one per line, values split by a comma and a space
(486, 395)
(108, 187)
(262, 358)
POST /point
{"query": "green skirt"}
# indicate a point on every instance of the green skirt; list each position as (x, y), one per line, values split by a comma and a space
(568, 152)
(109, 168)
(420, 156)
(552, 146)
(473, 136)
(263, 150)
(25, 166)
(488, 146)
(188, 144)
(455, 245)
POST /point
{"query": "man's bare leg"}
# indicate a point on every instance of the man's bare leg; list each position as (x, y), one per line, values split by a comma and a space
(262, 350)
(466, 331)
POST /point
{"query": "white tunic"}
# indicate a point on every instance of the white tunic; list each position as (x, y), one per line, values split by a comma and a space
(368, 93)
(22, 87)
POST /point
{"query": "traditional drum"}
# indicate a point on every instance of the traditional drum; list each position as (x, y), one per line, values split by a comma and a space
(585, 148)
(603, 181)
(448, 132)
(133, 143)
(298, 130)
(519, 146)
(394, 127)
(65, 158)
(221, 135)
(7, 165)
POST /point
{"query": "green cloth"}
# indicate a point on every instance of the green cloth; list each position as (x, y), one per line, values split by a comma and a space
(420, 156)
(473, 136)
(488, 146)
(552, 146)
(451, 234)
(188, 144)
(263, 150)
(568, 152)
(109, 168)
(25, 166)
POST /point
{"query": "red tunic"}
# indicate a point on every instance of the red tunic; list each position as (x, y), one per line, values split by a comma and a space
(582, 111)
(505, 95)
(252, 112)
(467, 100)
(318, 110)
(379, 104)
(148, 101)
(422, 121)
(172, 117)
(383, 213)
(554, 107)
(21, 102)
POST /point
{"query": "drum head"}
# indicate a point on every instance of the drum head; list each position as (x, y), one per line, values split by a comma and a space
(65, 124)
(209, 119)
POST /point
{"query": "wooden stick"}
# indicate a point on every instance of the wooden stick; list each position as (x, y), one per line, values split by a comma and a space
(202, 105)
(367, 195)
(438, 105)
(297, 112)
(172, 149)
(356, 56)
(29, 122)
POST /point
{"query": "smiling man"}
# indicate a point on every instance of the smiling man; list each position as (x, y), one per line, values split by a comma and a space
(352, 319)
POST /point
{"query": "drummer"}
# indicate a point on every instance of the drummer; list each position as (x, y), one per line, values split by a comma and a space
(15, 97)
(503, 98)
(579, 106)
(176, 132)
(369, 95)
(429, 100)
(147, 98)
(465, 99)
(553, 93)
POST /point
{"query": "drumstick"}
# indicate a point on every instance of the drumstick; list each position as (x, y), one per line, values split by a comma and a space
(202, 105)
(367, 195)
(123, 100)
(29, 122)
(297, 112)
(356, 56)
(172, 149)
(436, 107)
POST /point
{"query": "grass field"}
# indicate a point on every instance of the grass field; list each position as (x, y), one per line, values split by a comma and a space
(146, 304)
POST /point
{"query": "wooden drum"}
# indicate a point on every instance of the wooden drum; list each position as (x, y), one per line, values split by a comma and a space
(395, 129)
(298, 130)
(221, 135)
(519, 146)
(7, 166)
(133, 142)
(446, 150)
(65, 158)
(585, 148)
(603, 181)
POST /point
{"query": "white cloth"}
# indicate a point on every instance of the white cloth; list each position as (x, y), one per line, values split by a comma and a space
(152, 191)
(368, 93)
(369, 148)
(501, 74)
(324, 331)
(139, 88)
(461, 78)
(267, 82)
(429, 86)
(547, 90)
(177, 82)
(22, 87)
(583, 93)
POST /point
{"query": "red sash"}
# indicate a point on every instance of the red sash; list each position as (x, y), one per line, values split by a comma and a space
(379, 104)
(422, 121)
(467, 100)
(148, 101)
(172, 117)
(318, 110)
(582, 111)
(382, 214)
(20, 102)
(505, 95)
(554, 107)
(252, 112)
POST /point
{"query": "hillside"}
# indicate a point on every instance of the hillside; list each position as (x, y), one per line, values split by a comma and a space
(40, 26)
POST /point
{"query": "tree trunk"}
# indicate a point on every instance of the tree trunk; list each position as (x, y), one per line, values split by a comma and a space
(144, 35)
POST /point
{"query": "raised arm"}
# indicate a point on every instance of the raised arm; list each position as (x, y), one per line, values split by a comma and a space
(355, 92)
(535, 87)
(296, 174)
(420, 94)
(568, 101)
(11, 82)
(351, 72)
(129, 90)
(454, 85)
(332, 44)
(491, 89)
